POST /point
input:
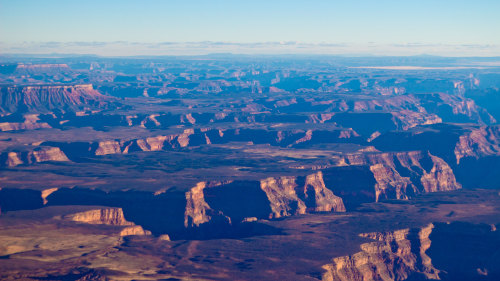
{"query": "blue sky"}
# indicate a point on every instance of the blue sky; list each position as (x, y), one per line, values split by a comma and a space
(358, 23)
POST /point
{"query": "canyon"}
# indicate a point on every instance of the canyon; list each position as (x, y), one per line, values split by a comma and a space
(269, 168)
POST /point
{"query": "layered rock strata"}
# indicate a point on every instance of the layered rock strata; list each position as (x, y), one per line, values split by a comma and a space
(403, 174)
(481, 142)
(397, 255)
(275, 197)
(37, 155)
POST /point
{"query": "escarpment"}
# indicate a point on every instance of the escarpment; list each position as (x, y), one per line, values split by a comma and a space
(197, 137)
(12, 199)
(197, 210)
(47, 98)
(406, 119)
(481, 142)
(15, 126)
(397, 255)
(108, 147)
(273, 197)
(109, 216)
(455, 108)
(208, 206)
(37, 155)
(401, 175)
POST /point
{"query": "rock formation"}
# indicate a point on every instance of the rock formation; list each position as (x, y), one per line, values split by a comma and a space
(46, 98)
(197, 210)
(37, 155)
(134, 230)
(108, 147)
(109, 216)
(401, 175)
(481, 142)
(396, 255)
(284, 196)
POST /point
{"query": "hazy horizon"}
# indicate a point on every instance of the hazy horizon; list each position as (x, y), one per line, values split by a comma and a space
(195, 27)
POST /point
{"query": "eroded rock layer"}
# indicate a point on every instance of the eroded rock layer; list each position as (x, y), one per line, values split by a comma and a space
(270, 198)
(37, 155)
(403, 174)
(481, 142)
(110, 216)
(396, 255)
(45, 98)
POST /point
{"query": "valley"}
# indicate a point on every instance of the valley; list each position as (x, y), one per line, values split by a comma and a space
(240, 167)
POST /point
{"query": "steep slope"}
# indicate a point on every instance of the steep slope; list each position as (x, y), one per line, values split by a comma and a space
(481, 142)
(272, 197)
(36, 155)
(396, 255)
(401, 175)
(47, 98)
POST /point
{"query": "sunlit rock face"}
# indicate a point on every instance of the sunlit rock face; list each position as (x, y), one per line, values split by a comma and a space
(396, 255)
(438, 251)
(273, 197)
(46, 98)
(401, 175)
(481, 142)
(37, 155)
(110, 216)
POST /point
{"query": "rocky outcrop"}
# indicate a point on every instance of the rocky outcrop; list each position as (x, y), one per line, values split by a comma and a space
(109, 216)
(403, 174)
(46, 98)
(19, 121)
(108, 147)
(47, 154)
(281, 196)
(46, 193)
(37, 155)
(15, 126)
(455, 108)
(196, 137)
(298, 195)
(397, 255)
(481, 142)
(421, 109)
(134, 230)
(153, 143)
(406, 119)
(197, 209)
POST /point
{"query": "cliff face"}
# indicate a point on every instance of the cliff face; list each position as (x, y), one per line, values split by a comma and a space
(109, 216)
(396, 255)
(108, 147)
(15, 126)
(403, 174)
(134, 230)
(273, 198)
(298, 195)
(38, 155)
(46, 98)
(406, 119)
(481, 142)
(192, 137)
(419, 109)
(455, 108)
(197, 210)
